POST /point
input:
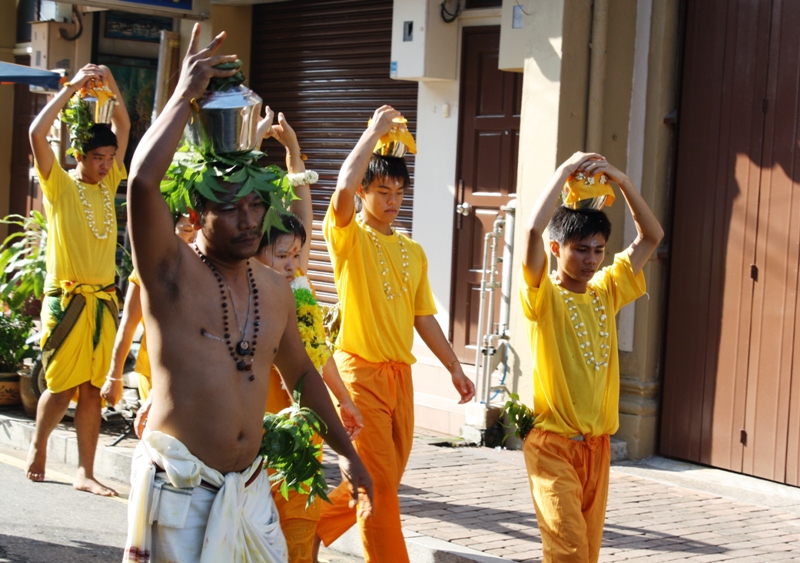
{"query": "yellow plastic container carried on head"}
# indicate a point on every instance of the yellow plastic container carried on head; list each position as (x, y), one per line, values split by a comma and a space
(584, 192)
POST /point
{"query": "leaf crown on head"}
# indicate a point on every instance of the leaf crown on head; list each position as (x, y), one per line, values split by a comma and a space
(205, 172)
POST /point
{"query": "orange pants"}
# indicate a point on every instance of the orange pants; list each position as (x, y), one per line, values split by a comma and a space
(569, 485)
(385, 396)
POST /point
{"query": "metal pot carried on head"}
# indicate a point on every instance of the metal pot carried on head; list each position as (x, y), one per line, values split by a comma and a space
(225, 121)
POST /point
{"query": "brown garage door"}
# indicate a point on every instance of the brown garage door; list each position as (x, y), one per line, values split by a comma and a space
(325, 64)
(732, 371)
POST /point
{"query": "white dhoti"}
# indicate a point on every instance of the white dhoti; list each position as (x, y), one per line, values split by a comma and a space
(180, 510)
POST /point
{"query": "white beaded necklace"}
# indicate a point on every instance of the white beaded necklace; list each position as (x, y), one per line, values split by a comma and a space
(108, 208)
(387, 287)
(580, 327)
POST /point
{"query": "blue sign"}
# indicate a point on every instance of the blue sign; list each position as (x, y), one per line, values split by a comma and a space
(173, 4)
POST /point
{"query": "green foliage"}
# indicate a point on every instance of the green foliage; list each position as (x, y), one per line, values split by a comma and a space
(14, 331)
(205, 172)
(519, 415)
(223, 84)
(79, 119)
(289, 451)
(124, 265)
(22, 261)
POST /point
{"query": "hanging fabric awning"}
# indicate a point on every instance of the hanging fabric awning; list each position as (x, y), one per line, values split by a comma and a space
(11, 73)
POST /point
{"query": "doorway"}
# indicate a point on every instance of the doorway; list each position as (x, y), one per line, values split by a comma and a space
(487, 172)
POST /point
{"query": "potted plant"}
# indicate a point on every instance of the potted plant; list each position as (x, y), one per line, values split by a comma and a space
(22, 276)
(15, 328)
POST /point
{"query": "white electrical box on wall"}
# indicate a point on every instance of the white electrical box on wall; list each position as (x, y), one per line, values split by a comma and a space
(49, 50)
(424, 47)
(513, 35)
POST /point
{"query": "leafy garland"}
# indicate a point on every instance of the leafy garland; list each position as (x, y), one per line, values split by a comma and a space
(309, 323)
(519, 415)
(78, 117)
(223, 84)
(289, 450)
(192, 170)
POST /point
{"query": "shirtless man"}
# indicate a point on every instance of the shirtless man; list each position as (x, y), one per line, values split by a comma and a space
(205, 426)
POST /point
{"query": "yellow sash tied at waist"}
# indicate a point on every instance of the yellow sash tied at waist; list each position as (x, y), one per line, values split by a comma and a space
(75, 330)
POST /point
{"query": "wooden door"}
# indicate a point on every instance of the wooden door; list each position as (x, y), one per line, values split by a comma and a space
(771, 441)
(487, 172)
(26, 195)
(731, 343)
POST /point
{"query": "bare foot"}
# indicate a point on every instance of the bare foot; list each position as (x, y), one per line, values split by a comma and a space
(91, 485)
(34, 469)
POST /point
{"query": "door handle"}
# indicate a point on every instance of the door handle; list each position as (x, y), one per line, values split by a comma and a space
(463, 209)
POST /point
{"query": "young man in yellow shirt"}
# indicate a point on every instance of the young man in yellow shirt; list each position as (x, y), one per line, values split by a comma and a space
(570, 317)
(382, 280)
(80, 297)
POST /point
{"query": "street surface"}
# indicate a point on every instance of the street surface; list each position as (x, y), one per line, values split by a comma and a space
(50, 521)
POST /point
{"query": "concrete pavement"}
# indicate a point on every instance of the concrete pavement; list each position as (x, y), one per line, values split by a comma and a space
(468, 504)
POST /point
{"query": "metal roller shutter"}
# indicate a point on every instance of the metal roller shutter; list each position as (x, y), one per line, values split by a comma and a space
(325, 65)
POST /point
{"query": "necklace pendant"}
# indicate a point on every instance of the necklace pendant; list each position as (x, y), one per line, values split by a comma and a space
(243, 347)
(241, 365)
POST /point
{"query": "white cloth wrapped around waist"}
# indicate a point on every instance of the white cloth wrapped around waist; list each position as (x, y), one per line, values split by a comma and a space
(243, 523)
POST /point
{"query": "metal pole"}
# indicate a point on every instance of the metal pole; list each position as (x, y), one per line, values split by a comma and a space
(479, 339)
(488, 344)
(508, 267)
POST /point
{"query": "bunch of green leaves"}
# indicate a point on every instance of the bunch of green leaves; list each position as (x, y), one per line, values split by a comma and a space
(289, 450)
(519, 415)
(15, 328)
(223, 84)
(205, 172)
(23, 267)
(79, 119)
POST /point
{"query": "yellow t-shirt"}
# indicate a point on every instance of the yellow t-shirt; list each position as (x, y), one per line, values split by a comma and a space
(570, 395)
(374, 327)
(74, 253)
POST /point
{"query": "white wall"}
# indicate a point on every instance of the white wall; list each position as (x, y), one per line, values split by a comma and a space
(539, 130)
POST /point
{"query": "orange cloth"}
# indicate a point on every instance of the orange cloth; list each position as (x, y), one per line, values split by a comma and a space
(299, 534)
(385, 396)
(569, 486)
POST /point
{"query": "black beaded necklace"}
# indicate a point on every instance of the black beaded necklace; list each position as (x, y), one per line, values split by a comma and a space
(244, 348)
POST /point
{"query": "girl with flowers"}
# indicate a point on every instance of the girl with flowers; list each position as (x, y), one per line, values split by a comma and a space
(283, 249)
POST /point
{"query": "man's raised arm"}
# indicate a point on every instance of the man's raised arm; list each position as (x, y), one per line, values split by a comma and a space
(355, 166)
(149, 220)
